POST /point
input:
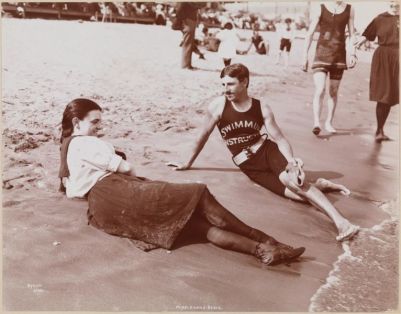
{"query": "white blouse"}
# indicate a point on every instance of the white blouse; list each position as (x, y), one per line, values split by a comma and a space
(89, 160)
(284, 33)
(229, 42)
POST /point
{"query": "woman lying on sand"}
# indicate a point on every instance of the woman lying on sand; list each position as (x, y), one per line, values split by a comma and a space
(153, 213)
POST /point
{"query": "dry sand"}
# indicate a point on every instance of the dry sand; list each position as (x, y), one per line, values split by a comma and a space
(52, 260)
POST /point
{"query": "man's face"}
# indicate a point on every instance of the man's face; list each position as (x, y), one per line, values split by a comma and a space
(233, 88)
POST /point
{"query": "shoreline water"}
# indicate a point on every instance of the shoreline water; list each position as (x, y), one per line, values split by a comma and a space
(365, 275)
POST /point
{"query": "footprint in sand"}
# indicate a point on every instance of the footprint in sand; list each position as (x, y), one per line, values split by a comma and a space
(10, 203)
(146, 152)
(7, 185)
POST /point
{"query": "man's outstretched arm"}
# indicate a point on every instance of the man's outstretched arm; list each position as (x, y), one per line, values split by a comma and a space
(209, 123)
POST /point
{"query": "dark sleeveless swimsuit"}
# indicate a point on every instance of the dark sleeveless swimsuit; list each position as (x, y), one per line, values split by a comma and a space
(330, 50)
(242, 129)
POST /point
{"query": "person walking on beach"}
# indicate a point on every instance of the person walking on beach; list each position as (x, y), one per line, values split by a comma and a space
(267, 161)
(229, 40)
(152, 213)
(330, 58)
(187, 14)
(286, 34)
(384, 73)
(106, 12)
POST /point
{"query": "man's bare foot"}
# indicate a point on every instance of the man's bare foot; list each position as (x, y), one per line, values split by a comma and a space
(347, 232)
(325, 185)
(329, 128)
(381, 137)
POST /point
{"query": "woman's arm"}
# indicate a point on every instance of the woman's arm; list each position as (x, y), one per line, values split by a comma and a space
(99, 154)
(369, 34)
(358, 43)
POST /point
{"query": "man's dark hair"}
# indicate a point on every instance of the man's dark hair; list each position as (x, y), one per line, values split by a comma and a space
(228, 26)
(236, 70)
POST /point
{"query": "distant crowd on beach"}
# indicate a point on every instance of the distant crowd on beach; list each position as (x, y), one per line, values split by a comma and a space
(213, 15)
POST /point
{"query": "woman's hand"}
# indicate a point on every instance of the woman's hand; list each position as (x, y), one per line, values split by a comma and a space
(358, 43)
(177, 165)
(352, 61)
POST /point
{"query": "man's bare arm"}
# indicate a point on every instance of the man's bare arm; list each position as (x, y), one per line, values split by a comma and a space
(276, 135)
(210, 121)
(309, 38)
(351, 44)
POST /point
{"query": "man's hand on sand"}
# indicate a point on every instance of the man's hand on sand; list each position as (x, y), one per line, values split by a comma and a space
(177, 165)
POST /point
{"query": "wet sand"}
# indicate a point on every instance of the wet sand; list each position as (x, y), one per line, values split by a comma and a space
(52, 260)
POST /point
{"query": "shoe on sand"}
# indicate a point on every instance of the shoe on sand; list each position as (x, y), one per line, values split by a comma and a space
(278, 255)
(348, 234)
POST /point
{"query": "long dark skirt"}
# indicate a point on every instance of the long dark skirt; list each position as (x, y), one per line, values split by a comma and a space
(384, 76)
(149, 212)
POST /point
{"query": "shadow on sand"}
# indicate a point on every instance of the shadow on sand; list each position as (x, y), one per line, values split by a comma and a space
(314, 175)
(343, 132)
(214, 169)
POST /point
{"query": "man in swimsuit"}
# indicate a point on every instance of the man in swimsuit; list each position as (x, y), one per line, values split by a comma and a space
(269, 162)
(330, 57)
(187, 12)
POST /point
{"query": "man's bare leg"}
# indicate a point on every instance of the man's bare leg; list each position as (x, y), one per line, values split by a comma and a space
(325, 185)
(278, 57)
(319, 79)
(315, 197)
(286, 59)
(331, 105)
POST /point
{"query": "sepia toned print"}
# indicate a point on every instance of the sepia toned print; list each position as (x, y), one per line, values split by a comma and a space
(115, 104)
